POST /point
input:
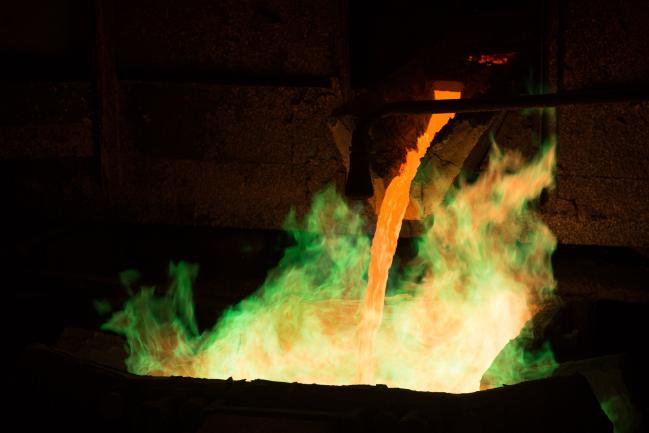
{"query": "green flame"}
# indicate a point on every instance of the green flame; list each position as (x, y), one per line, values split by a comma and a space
(484, 249)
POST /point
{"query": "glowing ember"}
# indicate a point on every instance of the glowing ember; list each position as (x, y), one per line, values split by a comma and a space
(492, 59)
(482, 270)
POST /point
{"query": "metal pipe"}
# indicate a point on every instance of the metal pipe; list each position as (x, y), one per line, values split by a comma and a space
(359, 182)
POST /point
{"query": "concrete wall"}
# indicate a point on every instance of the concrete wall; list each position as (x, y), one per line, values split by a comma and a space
(223, 111)
(224, 115)
(602, 194)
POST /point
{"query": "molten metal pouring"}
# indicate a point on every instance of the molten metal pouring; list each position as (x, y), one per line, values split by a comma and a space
(384, 243)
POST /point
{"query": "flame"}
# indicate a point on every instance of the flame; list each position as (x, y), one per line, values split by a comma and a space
(482, 270)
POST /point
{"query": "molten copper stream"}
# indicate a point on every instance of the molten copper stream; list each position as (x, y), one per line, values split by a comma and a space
(384, 243)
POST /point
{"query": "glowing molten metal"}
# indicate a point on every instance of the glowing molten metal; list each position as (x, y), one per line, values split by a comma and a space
(322, 315)
(384, 243)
